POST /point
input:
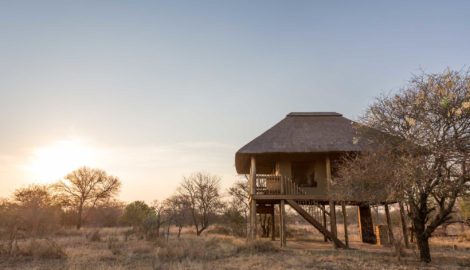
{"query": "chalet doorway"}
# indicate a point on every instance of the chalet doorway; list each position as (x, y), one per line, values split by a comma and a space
(303, 174)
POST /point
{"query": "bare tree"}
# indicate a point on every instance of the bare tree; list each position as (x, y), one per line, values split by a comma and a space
(159, 208)
(371, 176)
(37, 208)
(177, 209)
(240, 198)
(429, 168)
(85, 187)
(201, 190)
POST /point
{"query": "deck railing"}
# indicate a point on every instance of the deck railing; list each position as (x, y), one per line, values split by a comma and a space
(269, 184)
(277, 184)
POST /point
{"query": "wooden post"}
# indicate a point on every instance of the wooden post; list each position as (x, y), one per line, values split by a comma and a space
(253, 201)
(282, 223)
(403, 225)
(366, 228)
(324, 224)
(333, 220)
(273, 225)
(411, 229)
(345, 221)
(331, 202)
(389, 224)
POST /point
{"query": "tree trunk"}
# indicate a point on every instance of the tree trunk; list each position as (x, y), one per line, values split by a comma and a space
(423, 246)
(168, 230)
(199, 232)
(79, 217)
(157, 230)
(179, 230)
(419, 214)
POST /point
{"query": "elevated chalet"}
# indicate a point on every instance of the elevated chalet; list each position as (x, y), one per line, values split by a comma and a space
(293, 162)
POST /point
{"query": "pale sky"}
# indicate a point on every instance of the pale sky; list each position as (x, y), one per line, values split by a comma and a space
(151, 91)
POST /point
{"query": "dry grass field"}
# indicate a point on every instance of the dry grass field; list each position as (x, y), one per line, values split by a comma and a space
(112, 248)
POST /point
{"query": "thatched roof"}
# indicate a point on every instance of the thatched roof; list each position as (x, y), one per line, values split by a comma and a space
(303, 132)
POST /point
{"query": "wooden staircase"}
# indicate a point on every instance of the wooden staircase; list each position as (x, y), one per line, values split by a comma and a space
(308, 209)
(308, 217)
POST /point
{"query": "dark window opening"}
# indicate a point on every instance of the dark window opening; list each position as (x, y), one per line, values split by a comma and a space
(303, 174)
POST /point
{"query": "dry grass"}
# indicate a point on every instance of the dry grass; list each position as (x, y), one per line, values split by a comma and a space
(306, 250)
(40, 249)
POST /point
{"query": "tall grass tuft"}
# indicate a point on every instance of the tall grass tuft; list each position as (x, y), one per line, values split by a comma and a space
(42, 249)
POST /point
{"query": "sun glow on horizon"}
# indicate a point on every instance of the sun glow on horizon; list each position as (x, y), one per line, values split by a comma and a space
(51, 163)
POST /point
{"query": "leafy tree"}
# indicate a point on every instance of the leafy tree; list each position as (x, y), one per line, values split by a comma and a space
(136, 213)
(201, 191)
(143, 218)
(85, 188)
(427, 164)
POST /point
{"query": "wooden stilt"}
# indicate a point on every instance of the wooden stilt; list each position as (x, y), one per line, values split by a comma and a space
(412, 225)
(389, 224)
(331, 202)
(273, 225)
(403, 225)
(366, 227)
(282, 223)
(253, 219)
(333, 221)
(345, 222)
(324, 225)
(253, 201)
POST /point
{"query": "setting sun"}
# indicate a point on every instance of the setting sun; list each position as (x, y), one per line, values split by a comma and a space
(50, 163)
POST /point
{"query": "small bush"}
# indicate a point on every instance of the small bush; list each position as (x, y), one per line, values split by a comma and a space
(258, 246)
(3, 249)
(114, 245)
(94, 236)
(142, 249)
(43, 249)
(465, 236)
(68, 232)
(195, 249)
(298, 233)
(220, 230)
(127, 234)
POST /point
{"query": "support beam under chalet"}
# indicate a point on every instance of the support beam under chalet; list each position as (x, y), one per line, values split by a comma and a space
(253, 200)
(366, 228)
(273, 225)
(282, 225)
(403, 225)
(389, 224)
(345, 222)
